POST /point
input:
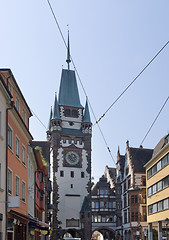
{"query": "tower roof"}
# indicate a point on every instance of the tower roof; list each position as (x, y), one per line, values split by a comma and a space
(86, 117)
(49, 124)
(68, 92)
(56, 114)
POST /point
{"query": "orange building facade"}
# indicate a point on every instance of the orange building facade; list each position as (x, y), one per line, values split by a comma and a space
(17, 160)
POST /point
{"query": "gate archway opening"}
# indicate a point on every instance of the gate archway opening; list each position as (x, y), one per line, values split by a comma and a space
(103, 234)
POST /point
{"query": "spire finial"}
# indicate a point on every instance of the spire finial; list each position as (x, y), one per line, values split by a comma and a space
(68, 60)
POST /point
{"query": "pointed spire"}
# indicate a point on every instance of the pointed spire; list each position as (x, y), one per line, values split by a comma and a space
(68, 60)
(56, 114)
(49, 124)
(86, 117)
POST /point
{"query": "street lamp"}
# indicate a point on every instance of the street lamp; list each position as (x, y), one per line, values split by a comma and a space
(167, 221)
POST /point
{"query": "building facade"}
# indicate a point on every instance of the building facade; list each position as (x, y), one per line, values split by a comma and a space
(133, 191)
(5, 104)
(157, 172)
(104, 207)
(17, 160)
(70, 136)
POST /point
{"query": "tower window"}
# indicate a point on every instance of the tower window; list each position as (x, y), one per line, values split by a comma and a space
(61, 173)
(74, 113)
(71, 185)
(72, 174)
(70, 141)
(82, 174)
(67, 112)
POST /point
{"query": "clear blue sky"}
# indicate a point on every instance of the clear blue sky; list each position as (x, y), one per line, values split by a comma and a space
(111, 42)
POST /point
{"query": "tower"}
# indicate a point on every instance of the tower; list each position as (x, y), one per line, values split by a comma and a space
(69, 133)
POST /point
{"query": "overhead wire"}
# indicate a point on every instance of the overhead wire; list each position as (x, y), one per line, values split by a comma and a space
(56, 21)
(103, 115)
(154, 120)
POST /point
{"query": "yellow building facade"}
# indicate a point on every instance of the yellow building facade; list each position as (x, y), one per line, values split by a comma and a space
(157, 174)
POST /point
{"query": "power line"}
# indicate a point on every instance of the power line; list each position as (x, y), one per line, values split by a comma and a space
(38, 119)
(103, 115)
(155, 120)
(50, 6)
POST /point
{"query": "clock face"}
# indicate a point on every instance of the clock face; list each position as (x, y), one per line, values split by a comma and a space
(72, 158)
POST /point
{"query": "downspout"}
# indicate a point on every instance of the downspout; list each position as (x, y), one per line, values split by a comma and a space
(6, 180)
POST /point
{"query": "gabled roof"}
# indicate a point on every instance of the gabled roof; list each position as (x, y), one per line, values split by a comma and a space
(85, 206)
(140, 157)
(86, 117)
(68, 92)
(160, 145)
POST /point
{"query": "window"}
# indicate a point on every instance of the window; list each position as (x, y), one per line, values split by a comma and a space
(72, 174)
(125, 216)
(154, 188)
(23, 191)
(61, 173)
(136, 216)
(24, 115)
(101, 191)
(10, 137)
(67, 112)
(74, 113)
(75, 141)
(102, 204)
(71, 185)
(17, 147)
(17, 104)
(41, 177)
(17, 186)
(99, 218)
(155, 208)
(96, 204)
(41, 195)
(10, 181)
(23, 155)
(159, 185)
(154, 169)
(132, 216)
(150, 209)
(105, 191)
(158, 165)
(132, 198)
(82, 174)
(149, 173)
(166, 205)
(136, 198)
(165, 182)
(160, 206)
(164, 161)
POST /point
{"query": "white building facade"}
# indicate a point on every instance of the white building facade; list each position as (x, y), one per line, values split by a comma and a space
(4, 105)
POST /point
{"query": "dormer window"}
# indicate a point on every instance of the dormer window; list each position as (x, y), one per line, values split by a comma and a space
(74, 113)
(67, 112)
(71, 113)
